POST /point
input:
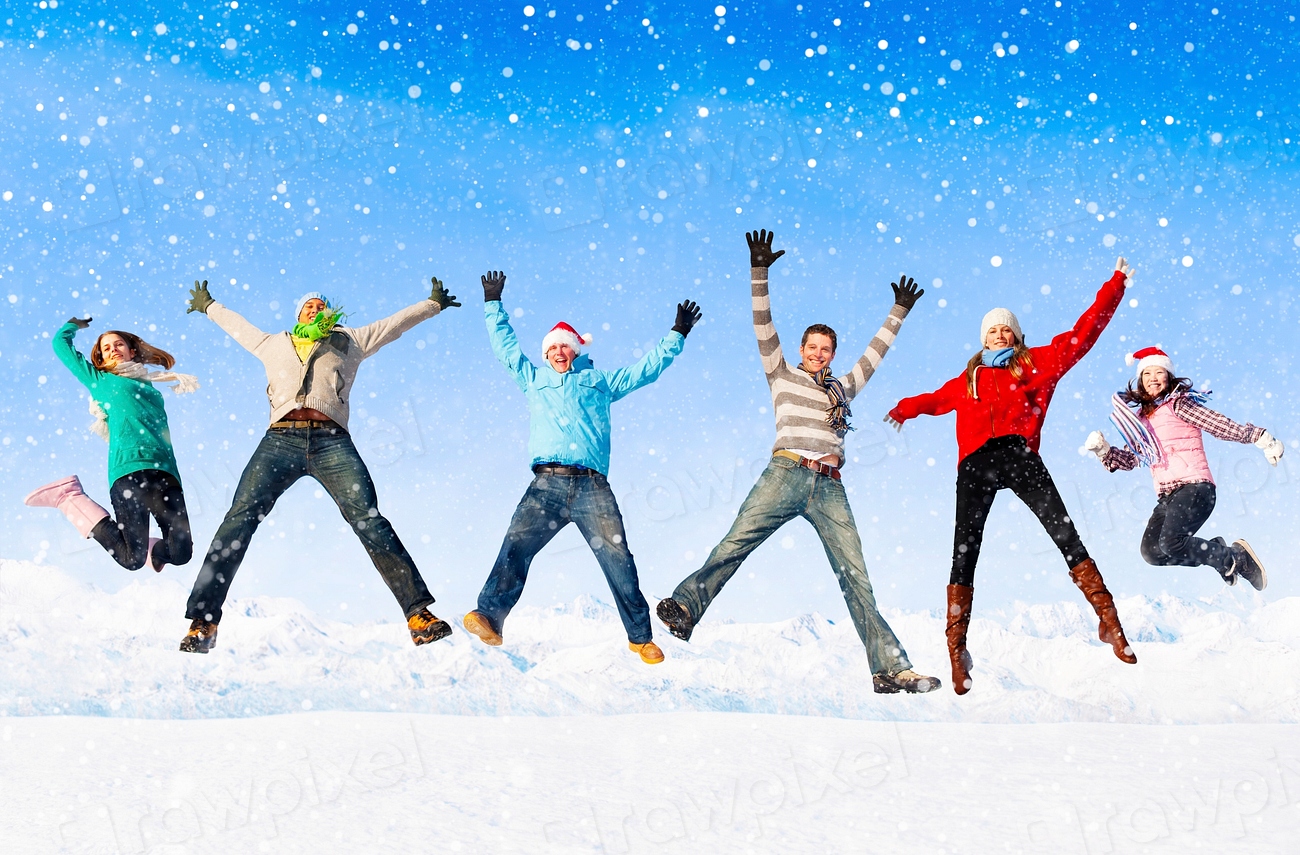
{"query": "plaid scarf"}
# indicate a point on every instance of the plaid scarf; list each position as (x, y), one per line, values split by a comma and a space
(837, 416)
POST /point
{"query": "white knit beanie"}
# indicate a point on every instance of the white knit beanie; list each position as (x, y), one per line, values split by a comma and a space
(1004, 317)
(562, 333)
(1149, 356)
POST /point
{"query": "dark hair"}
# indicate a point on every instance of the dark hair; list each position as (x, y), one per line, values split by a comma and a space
(1147, 404)
(1021, 364)
(144, 351)
(820, 329)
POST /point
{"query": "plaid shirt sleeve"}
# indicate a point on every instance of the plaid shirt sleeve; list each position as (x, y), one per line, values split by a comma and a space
(1119, 458)
(1215, 424)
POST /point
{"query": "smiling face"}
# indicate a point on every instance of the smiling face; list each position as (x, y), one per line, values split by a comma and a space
(561, 357)
(999, 336)
(311, 309)
(113, 350)
(1155, 380)
(816, 352)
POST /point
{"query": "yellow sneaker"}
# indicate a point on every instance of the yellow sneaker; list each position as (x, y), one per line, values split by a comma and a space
(649, 652)
(479, 624)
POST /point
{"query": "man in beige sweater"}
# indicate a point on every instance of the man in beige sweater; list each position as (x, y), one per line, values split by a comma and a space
(309, 374)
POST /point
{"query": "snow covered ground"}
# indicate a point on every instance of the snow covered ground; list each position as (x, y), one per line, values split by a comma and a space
(303, 734)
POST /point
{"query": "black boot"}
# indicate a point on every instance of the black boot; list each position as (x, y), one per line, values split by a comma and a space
(676, 618)
(1246, 565)
(201, 638)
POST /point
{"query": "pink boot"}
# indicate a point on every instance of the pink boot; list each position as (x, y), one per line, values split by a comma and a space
(67, 496)
(148, 555)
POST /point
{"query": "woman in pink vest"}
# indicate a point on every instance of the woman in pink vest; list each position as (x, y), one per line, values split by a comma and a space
(1161, 419)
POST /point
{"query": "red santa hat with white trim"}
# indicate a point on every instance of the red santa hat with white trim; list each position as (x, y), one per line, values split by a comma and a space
(1149, 356)
(562, 333)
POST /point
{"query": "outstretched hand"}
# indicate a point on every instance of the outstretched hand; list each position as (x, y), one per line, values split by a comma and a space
(80, 323)
(200, 299)
(494, 282)
(1122, 266)
(688, 315)
(440, 296)
(893, 422)
(905, 291)
(1097, 444)
(760, 248)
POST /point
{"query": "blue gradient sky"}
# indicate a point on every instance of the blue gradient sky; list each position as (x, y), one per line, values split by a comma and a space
(609, 159)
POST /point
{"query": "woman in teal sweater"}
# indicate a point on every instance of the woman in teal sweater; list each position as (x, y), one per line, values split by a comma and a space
(142, 472)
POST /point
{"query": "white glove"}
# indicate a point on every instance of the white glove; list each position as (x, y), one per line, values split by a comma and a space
(1122, 266)
(1097, 444)
(1271, 446)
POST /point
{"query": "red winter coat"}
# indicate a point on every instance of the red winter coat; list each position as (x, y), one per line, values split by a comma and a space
(1005, 406)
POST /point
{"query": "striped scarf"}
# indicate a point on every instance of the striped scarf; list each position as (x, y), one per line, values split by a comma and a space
(1136, 431)
(837, 416)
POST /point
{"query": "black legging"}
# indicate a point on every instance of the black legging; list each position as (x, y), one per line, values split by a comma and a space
(135, 497)
(1178, 515)
(1006, 462)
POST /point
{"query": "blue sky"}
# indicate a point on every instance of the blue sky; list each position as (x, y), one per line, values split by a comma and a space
(609, 159)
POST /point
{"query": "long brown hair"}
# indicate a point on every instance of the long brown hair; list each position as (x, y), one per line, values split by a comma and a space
(1021, 364)
(1147, 404)
(145, 352)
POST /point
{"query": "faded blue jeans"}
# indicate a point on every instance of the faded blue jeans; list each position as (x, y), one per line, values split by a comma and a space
(784, 491)
(282, 457)
(549, 504)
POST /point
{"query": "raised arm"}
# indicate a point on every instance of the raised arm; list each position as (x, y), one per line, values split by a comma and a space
(80, 367)
(248, 336)
(937, 403)
(905, 296)
(387, 330)
(502, 336)
(648, 368)
(761, 258)
(1214, 423)
(1073, 344)
(1111, 457)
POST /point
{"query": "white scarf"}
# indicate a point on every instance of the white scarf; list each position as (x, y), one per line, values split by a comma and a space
(185, 383)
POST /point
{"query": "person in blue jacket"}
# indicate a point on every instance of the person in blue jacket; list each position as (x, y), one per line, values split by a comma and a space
(568, 402)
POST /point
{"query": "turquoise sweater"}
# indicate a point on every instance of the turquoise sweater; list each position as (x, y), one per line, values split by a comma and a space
(138, 436)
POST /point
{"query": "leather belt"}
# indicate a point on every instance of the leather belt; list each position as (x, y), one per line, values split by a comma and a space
(820, 468)
(561, 469)
(304, 423)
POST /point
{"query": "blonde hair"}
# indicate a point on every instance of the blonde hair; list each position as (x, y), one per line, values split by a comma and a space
(1021, 364)
(145, 352)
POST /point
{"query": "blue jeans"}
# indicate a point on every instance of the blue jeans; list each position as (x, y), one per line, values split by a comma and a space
(1170, 535)
(784, 491)
(549, 504)
(282, 457)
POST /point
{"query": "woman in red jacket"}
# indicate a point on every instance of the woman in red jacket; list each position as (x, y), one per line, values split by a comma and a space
(1001, 400)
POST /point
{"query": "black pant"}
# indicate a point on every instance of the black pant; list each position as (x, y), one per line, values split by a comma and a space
(1178, 515)
(135, 497)
(1005, 462)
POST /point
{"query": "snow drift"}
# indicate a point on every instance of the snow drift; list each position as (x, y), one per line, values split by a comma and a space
(69, 648)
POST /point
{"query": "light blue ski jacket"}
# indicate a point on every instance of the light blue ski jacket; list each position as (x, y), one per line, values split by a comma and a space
(569, 413)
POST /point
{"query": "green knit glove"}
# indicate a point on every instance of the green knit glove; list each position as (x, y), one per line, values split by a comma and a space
(200, 299)
(440, 296)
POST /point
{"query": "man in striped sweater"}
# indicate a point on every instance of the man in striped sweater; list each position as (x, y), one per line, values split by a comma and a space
(803, 477)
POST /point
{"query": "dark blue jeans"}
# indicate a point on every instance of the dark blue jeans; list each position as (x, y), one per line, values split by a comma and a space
(1169, 538)
(549, 504)
(283, 456)
(125, 535)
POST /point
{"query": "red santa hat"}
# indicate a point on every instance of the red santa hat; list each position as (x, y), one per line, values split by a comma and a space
(1149, 356)
(562, 333)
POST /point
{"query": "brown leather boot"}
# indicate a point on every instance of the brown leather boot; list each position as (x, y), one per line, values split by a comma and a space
(959, 599)
(1088, 578)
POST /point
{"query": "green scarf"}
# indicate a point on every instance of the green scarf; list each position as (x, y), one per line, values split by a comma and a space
(320, 326)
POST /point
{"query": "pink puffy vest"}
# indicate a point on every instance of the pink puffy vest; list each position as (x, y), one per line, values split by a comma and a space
(1184, 452)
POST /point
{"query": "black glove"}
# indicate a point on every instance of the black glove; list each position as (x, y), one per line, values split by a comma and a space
(688, 315)
(200, 299)
(760, 248)
(440, 296)
(80, 323)
(494, 282)
(905, 292)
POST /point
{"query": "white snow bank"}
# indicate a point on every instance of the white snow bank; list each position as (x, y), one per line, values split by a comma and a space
(67, 648)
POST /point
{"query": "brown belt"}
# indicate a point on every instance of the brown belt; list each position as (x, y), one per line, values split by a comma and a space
(304, 423)
(820, 468)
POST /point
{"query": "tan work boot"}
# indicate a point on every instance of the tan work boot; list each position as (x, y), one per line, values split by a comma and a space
(480, 625)
(649, 652)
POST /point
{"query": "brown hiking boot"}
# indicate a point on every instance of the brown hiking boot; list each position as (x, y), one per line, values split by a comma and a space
(201, 638)
(1086, 575)
(480, 625)
(959, 600)
(906, 680)
(676, 617)
(426, 628)
(649, 652)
